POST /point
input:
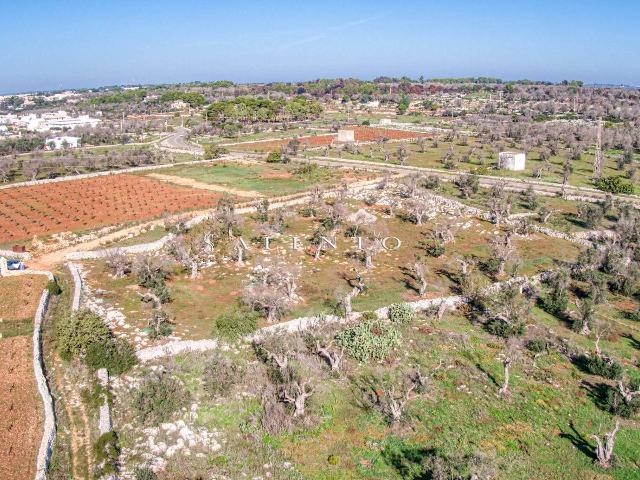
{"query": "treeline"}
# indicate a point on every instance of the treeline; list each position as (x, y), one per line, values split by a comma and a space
(193, 99)
(120, 97)
(251, 110)
(20, 145)
(38, 167)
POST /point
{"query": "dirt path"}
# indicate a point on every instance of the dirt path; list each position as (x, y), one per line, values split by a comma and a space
(189, 182)
(80, 432)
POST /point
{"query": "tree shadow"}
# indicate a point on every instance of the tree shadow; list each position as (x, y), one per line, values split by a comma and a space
(408, 460)
(635, 343)
(578, 441)
(598, 392)
(410, 279)
(489, 375)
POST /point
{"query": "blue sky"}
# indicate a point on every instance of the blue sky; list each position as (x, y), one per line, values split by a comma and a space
(67, 43)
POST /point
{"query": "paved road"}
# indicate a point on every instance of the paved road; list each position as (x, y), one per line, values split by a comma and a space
(513, 184)
(178, 143)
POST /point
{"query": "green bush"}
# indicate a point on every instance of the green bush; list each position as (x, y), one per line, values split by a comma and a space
(500, 328)
(53, 287)
(158, 397)
(618, 406)
(107, 452)
(556, 302)
(95, 395)
(237, 322)
(214, 151)
(220, 374)
(435, 250)
(144, 473)
(615, 184)
(537, 345)
(401, 313)
(274, 157)
(369, 340)
(75, 332)
(115, 354)
(605, 367)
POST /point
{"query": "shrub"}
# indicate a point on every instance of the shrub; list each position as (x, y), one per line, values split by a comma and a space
(537, 345)
(369, 340)
(556, 302)
(306, 169)
(237, 322)
(95, 395)
(214, 151)
(590, 214)
(53, 287)
(75, 332)
(158, 397)
(500, 328)
(144, 473)
(615, 184)
(431, 182)
(220, 374)
(274, 157)
(635, 316)
(618, 406)
(401, 313)
(491, 266)
(436, 250)
(605, 367)
(107, 452)
(115, 354)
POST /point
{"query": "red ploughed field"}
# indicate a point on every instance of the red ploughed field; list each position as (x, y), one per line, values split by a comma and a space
(361, 134)
(86, 204)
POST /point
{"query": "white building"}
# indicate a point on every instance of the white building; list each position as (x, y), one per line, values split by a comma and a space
(59, 120)
(346, 136)
(512, 161)
(58, 143)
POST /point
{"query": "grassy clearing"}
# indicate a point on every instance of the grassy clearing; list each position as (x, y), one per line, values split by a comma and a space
(272, 180)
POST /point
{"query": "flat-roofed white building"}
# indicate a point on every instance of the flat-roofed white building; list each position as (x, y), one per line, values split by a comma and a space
(515, 161)
(346, 136)
(58, 143)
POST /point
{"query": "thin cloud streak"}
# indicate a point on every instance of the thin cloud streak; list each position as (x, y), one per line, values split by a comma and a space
(327, 31)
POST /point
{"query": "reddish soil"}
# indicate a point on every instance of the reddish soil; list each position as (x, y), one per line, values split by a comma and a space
(361, 134)
(27, 289)
(20, 410)
(86, 204)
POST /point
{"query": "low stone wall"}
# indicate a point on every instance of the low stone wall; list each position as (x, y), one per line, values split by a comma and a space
(133, 249)
(100, 174)
(77, 286)
(11, 254)
(104, 422)
(303, 323)
(49, 433)
(175, 348)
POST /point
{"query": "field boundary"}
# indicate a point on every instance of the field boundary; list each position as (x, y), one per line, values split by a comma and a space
(49, 433)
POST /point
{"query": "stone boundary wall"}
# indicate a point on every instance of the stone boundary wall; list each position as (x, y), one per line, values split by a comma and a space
(133, 249)
(49, 431)
(19, 273)
(300, 324)
(83, 176)
(19, 255)
(77, 286)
